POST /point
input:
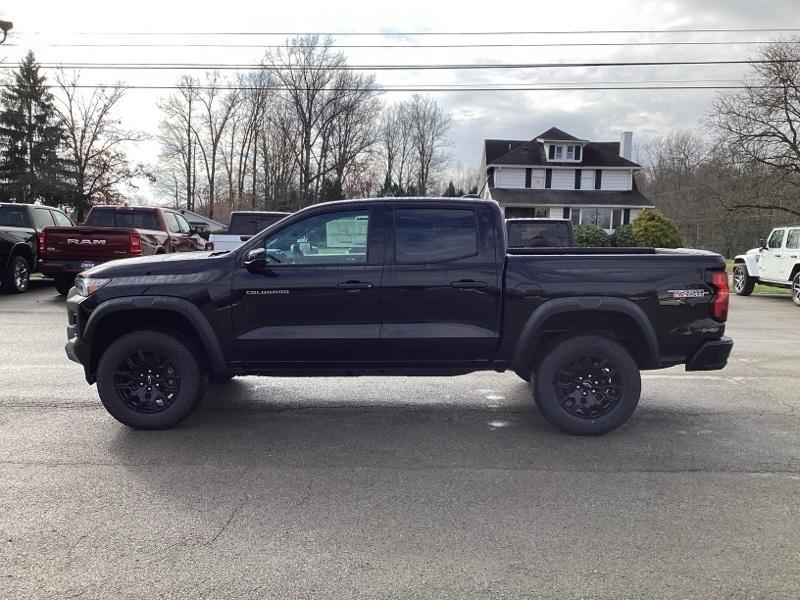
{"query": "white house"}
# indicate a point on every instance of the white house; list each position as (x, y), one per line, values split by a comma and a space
(558, 175)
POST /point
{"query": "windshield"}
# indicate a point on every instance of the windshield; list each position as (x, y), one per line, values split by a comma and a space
(538, 235)
(14, 216)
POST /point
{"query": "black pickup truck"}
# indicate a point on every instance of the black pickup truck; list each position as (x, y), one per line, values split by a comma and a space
(22, 241)
(398, 287)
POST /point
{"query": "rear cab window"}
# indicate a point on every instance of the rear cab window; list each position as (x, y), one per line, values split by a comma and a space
(429, 235)
(538, 235)
(251, 224)
(14, 216)
(136, 219)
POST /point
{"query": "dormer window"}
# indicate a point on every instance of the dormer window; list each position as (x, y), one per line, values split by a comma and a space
(564, 152)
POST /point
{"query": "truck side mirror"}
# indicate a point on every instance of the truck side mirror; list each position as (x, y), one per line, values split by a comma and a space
(763, 244)
(256, 260)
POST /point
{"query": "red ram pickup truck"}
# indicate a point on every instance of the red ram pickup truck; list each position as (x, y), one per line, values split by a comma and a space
(112, 232)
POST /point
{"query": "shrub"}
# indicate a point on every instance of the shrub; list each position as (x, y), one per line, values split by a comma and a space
(623, 237)
(591, 236)
(654, 230)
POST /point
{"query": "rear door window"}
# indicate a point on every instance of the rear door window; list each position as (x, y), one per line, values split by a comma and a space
(172, 222)
(44, 218)
(62, 220)
(428, 235)
(793, 241)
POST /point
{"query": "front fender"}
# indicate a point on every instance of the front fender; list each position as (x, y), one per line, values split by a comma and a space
(179, 306)
(750, 261)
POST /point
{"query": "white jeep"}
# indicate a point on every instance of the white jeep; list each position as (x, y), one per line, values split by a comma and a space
(776, 262)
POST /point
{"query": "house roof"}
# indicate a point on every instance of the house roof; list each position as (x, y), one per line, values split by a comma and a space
(531, 153)
(543, 197)
(554, 134)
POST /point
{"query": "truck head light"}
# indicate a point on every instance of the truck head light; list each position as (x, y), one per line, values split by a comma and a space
(86, 286)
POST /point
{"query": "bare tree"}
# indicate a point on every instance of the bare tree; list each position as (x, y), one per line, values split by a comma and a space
(760, 125)
(95, 141)
(216, 107)
(429, 128)
(397, 146)
(178, 137)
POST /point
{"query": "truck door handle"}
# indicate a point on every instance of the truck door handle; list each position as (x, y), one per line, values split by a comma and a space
(793, 256)
(354, 285)
(468, 284)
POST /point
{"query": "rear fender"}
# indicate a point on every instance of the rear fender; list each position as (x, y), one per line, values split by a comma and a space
(532, 330)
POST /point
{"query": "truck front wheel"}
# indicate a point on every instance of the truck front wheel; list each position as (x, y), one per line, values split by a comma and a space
(587, 385)
(149, 380)
(64, 284)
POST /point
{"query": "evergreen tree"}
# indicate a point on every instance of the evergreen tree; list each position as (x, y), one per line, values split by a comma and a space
(450, 192)
(30, 140)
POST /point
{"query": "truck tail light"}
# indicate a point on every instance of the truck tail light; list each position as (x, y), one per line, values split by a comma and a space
(42, 242)
(134, 243)
(719, 303)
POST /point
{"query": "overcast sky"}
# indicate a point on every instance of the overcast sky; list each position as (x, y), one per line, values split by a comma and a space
(596, 115)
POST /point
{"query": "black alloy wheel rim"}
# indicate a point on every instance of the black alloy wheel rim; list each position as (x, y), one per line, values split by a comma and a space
(589, 387)
(147, 381)
(21, 275)
(738, 279)
(796, 290)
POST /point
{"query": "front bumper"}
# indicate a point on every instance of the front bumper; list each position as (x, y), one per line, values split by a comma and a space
(77, 350)
(711, 356)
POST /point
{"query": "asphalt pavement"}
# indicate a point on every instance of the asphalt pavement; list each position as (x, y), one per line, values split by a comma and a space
(401, 487)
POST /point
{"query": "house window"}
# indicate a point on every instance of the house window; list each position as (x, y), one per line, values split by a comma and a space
(602, 217)
(559, 152)
(548, 178)
(527, 212)
(577, 179)
(598, 179)
(577, 152)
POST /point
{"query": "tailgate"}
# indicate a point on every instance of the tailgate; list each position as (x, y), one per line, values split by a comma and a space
(86, 243)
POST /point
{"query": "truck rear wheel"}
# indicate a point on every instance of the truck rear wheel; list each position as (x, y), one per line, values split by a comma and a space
(17, 276)
(64, 284)
(743, 284)
(587, 385)
(149, 380)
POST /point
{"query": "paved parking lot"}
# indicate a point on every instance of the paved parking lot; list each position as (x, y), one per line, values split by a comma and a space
(401, 487)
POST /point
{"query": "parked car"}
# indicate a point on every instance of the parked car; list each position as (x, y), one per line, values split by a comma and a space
(110, 233)
(242, 225)
(21, 228)
(435, 291)
(776, 262)
(539, 233)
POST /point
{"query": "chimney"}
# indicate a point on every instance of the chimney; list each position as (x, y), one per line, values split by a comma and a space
(626, 145)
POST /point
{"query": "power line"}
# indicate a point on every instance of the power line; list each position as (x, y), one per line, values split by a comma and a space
(398, 67)
(427, 33)
(444, 88)
(414, 46)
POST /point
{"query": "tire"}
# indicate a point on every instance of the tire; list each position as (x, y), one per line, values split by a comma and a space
(64, 285)
(151, 357)
(796, 289)
(17, 276)
(582, 361)
(743, 284)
